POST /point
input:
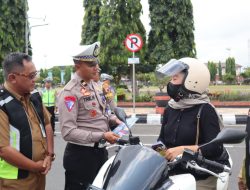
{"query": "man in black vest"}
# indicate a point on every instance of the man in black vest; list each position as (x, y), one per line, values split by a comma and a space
(26, 137)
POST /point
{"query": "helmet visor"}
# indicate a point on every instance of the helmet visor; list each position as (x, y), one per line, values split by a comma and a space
(171, 68)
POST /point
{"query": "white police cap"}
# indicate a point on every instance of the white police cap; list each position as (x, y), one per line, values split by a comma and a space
(89, 53)
(105, 76)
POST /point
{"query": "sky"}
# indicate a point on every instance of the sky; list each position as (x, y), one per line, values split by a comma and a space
(222, 29)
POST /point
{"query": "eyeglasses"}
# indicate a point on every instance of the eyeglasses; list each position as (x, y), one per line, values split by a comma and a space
(29, 76)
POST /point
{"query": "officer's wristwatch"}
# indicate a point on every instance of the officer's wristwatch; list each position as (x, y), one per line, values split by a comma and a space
(52, 155)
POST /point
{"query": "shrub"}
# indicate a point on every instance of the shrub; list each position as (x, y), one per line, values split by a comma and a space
(121, 94)
(122, 86)
(234, 96)
(144, 98)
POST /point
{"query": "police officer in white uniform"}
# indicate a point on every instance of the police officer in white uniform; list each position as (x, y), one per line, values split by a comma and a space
(109, 90)
(84, 121)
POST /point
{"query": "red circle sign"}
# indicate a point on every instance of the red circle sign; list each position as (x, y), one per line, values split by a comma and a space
(133, 42)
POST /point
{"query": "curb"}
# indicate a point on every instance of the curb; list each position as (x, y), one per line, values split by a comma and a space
(155, 119)
(217, 104)
(228, 119)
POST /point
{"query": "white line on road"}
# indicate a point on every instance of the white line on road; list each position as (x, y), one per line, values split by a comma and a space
(227, 146)
(142, 135)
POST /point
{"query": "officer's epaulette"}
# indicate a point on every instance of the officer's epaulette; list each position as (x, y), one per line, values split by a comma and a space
(70, 84)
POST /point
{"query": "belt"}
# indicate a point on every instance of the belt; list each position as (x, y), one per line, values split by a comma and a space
(93, 145)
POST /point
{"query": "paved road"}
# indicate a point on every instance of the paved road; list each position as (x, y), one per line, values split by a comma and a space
(148, 135)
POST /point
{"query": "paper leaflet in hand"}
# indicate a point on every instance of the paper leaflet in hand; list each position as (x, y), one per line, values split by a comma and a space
(123, 129)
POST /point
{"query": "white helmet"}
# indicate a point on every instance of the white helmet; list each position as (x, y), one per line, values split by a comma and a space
(105, 76)
(197, 76)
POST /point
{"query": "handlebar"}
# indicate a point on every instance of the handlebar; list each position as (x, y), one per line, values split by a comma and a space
(122, 141)
(132, 141)
(218, 166)
(189, 155)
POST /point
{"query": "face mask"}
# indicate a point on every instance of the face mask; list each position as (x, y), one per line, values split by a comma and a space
(174, 91)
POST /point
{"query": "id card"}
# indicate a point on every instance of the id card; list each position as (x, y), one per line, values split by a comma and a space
(42, 130)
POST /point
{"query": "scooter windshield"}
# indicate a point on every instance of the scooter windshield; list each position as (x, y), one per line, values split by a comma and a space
(136, 167)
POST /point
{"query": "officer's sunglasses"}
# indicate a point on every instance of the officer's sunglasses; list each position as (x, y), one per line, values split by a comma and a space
(30, 76)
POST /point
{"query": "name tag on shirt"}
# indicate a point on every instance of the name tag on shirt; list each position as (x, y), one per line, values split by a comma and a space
(89, 98)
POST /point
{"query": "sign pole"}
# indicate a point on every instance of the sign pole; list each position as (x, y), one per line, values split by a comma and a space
(134, 84)
(133, 43)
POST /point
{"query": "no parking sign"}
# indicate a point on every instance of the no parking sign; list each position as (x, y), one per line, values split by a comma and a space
(133, 42)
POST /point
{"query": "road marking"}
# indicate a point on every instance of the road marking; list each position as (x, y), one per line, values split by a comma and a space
(227, 146)
(142, 135)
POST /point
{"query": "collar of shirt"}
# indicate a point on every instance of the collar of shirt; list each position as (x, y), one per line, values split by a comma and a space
(79, 80)
(16, 95)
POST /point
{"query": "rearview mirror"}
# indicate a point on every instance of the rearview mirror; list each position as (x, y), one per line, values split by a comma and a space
(230, 136)
(120, 114)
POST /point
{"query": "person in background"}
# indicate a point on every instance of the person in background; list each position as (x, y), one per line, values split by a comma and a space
(26, 137)
(49, 100)
(108, 90)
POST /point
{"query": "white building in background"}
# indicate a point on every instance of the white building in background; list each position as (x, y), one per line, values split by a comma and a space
(238, 69)
(223, 68)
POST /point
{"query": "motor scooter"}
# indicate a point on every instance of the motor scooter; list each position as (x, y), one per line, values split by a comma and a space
(137, 167)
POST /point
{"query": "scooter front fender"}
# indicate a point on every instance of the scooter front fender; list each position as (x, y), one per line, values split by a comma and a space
(183, 182)
(99, 179)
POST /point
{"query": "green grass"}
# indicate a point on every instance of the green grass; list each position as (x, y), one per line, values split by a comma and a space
(229, 88)
(224, 92)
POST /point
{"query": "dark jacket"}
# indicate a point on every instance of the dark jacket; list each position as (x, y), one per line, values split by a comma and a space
(179, 128)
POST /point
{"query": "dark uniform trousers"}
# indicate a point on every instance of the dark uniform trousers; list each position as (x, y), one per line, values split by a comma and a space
(82, 164)
(51, 110)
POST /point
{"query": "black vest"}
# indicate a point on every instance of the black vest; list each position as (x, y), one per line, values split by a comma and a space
(18, 119)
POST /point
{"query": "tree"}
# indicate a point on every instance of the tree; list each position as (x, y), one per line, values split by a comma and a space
(1, 76)
(43, 73)
(220, 71)
(230, 66)
(213, 70)
(56, 72)
(91, 25)
(246, 75)
(229, 78)
(12, 27)
(68, 71)
(118, 18)
(161, 83)
(171, 34)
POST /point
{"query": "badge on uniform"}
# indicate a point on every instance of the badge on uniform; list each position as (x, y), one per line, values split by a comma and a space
(69, 102)
(85, 92)
(92, 113)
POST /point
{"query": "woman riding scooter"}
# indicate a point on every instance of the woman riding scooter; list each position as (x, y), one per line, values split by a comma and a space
(189, 119)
